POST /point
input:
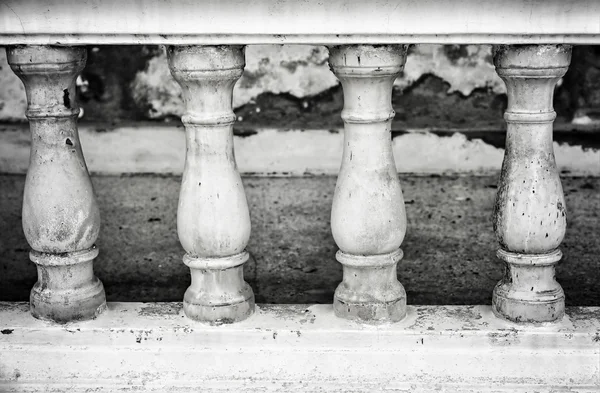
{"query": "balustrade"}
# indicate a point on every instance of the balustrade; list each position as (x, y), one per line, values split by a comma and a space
(294, 347)
(368, 220)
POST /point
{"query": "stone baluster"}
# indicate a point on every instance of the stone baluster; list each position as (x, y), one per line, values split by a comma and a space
(368, 218)
(213, 221)
(529, 213)
(61, 219)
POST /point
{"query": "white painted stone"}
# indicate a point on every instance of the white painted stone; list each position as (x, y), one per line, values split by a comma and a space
(530, 213)
(468, 72)
(220, 22)
(213, 220)
(61, 218)
(368, 218)
(152, 347)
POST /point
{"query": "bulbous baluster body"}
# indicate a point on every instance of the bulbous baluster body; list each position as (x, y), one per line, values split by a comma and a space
(213, 220)
(61, 219)
(530, 212)
(368, 218)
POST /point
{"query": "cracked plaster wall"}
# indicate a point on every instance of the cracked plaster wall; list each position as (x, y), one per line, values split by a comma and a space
(302, 71)
(298, 70)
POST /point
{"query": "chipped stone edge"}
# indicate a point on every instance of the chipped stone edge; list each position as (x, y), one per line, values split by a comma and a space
(152, 347)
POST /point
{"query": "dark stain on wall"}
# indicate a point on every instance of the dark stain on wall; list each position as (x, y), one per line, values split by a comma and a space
(579, 94)
(426, 104)
(107, 96)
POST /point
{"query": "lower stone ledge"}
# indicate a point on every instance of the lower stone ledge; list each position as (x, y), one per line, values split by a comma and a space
(160, 149)
(153, 347)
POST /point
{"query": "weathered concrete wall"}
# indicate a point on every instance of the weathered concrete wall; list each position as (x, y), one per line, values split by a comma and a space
(291, 86)
(303, 71)
(298, 70)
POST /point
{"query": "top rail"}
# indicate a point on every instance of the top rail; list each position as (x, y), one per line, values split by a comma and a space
(213, 22)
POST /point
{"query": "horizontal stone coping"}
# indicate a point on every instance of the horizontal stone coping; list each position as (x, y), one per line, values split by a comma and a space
(160, 149)
(182, 22)
(153, 347)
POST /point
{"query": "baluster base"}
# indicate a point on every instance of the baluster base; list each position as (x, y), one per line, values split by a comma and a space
(543, 300)
(218, 294)
(370, 291)
(67, 289)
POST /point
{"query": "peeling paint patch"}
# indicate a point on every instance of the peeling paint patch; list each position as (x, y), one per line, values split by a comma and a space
(300, 70)
(303, 71)
(505, 338)
(464, 67)
(160, 309)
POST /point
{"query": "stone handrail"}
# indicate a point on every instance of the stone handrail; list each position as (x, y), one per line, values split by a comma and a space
(210, 22)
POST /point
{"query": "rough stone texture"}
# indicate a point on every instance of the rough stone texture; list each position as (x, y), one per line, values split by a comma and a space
(151, 348)
(298, 348)
(449, 249)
